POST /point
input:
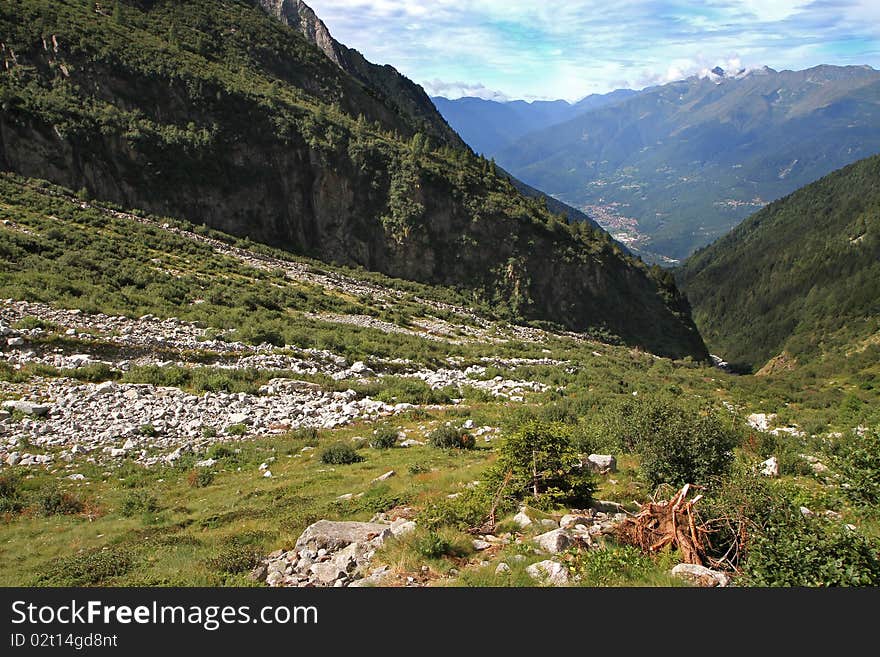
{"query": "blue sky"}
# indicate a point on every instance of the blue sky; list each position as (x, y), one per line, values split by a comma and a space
(542, 49)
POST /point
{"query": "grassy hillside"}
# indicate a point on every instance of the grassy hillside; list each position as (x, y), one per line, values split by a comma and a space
(801, 276)
(218, 113)
(172, 317)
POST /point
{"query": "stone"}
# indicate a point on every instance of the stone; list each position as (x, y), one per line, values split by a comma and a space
(548, 523)
(26, 407)
(601, 463)
(700, 575)
(259, 573)
(274, 578)
(549, 572)
(570, 520)
(13, 458)
(760, 421)
(805, 512)
(401, 527)
(331, 534)
(522, 519)
(385, 477)
(327, 572)
(15, 342)
(770, 467)
(480, 545)
(206, 463)
(118, 453)
(360, 369)
(106, 388)
(502, 569)
(76, 477)
(238, 418)
(267, 474)
(604, 506)
(555, 541)
(411, 442)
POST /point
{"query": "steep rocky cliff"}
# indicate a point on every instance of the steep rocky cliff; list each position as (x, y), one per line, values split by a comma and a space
(216, 112)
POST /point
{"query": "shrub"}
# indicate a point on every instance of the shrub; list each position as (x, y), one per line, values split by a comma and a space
(432, 545)
(678, 442)
(138, 501)
(384, 437)
(448, 436)
(236, 429)
(209, 432)
(54, 502)
(467, 510)
(86, 568)
(148, 430)
(540, 462)
(614, 566)
(10, 493)
(859, 465)
(235, 559)
(200, 478)
(340, 454)
(218, 452)
(307, 434)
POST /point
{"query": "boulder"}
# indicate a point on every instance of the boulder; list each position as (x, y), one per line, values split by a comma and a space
(570, 520)
(700, 575)
(601, 463)
(26, 407)
(770, 467)
(522, 519)
(15, 342)
(332, 535)
(555, 541)
(549, 572)
(401, 526)
(502, 569)
(384, 477)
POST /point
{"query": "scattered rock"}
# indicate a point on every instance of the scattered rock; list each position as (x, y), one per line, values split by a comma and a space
(502, 569)
(384, 477)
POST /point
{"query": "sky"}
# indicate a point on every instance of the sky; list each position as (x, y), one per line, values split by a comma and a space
(540, 49)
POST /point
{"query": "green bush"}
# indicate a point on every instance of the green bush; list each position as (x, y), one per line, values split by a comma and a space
(138, 501)
(614, 566)
(384, 437)
(55, 502)
(858, 462)
(11, 500)
(340, 454)
(540, 463)
(235, 559)
(237, 429)
(148, 430)
(200, 478)
(432, 545)
(448, 436)
(218, 452)
(86, 568)
(467, 510)
(678, 442)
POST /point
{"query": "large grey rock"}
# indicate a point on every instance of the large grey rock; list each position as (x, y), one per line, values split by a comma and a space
(332, 535)
(700, 575)
(570, 520)
(327, 572)
(15, 342)
(522, 519)
(549, 572)
(770, 467)
(26, 407)
(601, 463)
(555, 541)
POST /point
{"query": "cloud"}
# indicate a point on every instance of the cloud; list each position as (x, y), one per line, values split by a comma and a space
(567, 49)
(453, 90)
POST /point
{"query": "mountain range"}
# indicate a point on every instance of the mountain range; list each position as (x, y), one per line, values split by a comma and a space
(273, 131)
(674, 167)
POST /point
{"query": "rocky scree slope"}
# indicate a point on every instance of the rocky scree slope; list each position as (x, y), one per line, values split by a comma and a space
(218, 112)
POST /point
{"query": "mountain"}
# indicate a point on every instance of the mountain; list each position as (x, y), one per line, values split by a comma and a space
(490, 126)
(218, 113)
(395, 90)
(677, 166)
(800, 279)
